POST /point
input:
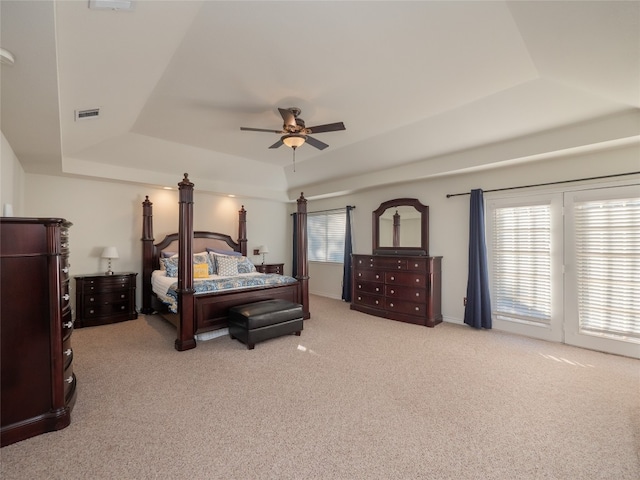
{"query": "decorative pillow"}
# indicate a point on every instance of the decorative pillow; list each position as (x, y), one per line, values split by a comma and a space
(227, 266)
(200, 270)
(219, 251)
(245, 265)
(170, 266)
(203, 257)
(165, 254)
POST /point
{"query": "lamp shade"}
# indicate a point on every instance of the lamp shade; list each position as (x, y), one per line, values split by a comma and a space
(263, 249)
(110, 252)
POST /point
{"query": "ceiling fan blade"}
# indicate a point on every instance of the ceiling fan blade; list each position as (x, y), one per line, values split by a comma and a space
(277, 144)
(329, 127)
(316, 143)
(260, 130)
(288, 117)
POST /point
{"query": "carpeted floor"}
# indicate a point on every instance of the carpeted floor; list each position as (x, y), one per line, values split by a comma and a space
(354, 397)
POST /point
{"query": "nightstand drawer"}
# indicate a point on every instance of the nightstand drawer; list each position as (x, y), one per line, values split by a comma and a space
(102, 309)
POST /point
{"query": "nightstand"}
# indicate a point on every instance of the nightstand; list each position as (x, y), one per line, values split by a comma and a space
(270, 268)
(104, 299)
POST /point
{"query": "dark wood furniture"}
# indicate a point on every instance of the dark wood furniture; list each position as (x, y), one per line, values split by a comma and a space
(103, 299)
(401, 288)
(271, 268)
(38, 386)
(399, 281)
(205, 312)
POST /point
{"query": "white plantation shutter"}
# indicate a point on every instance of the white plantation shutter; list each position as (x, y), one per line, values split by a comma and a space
(326, 232)
(607, 243)
(521, 263)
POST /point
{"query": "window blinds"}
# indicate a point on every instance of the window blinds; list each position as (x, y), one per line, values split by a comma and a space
(326, 232)
(522, 264)
(607, 246)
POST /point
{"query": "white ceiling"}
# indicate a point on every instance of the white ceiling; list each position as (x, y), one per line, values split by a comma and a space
(424, 88)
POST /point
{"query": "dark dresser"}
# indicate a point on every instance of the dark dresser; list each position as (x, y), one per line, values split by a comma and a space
(404, 288)
(104, 299)
(37, 379)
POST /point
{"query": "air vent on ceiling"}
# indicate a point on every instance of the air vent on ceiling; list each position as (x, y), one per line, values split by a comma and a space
(111, 4)
(87, 114)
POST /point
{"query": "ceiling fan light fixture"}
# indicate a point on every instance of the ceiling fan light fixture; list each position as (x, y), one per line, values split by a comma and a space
(293, 140)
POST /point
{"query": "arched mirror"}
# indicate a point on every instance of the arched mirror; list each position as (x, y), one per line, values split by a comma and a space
(401, 227)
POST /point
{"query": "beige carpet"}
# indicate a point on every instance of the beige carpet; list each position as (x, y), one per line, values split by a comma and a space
(355, 397)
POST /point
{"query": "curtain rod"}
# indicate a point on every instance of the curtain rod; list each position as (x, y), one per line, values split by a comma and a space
(330, 210)
(449, 195)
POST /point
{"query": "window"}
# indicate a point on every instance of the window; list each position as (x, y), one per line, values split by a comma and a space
(522, 263)
(603, 269)
(326, 236)
(524, 240)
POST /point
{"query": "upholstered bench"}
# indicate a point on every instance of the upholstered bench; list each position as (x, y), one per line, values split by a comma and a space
(254, 322)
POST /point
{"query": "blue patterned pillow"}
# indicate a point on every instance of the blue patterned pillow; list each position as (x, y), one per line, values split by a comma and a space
(170, 266)
(227, 266)
(245, 265)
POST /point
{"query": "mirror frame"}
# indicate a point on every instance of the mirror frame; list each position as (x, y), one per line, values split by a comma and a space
(423, 249)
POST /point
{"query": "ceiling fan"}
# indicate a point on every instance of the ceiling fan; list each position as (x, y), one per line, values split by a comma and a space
(295, 133)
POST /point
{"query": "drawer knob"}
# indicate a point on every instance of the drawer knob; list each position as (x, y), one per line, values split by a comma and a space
(417, 309)
(65, 296)
(392, 292)
(91, 299)
(122, 295)
(415, 265)
(359, 274)
(92, 311)
(69, 380)
(377, 276)
(359, 286)
(377, 302)
(391, 305)
(67, 325)
(122, 307)
(67, 352)
(417, 280)
(417, 294)
(393, 278)
(377, 289)
(399, 267)
(359, 298)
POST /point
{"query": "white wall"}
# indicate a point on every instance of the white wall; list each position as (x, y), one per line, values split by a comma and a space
(110, 214)
(449, 217)
(12, 183)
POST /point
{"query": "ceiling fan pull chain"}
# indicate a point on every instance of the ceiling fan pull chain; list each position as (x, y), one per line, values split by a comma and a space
(294, 159)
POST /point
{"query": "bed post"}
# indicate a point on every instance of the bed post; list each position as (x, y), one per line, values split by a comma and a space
(185, 339)
(147, 254)
(302, 275)
(242, 230)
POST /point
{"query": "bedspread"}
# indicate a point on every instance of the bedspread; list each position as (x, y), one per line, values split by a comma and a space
(223, 284)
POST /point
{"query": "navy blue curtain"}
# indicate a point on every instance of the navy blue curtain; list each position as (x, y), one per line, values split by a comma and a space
(348, 249)
(294, 269)
(477, 312)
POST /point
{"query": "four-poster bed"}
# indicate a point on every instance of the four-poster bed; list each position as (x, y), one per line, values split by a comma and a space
(199, 311)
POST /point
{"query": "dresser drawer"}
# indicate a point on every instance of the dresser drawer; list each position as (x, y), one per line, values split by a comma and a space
(369, 276)
(69, 380)
(67, 352)
(369, 287)
(409, 308)
(415, 294)
(369, 300)
(405, 278)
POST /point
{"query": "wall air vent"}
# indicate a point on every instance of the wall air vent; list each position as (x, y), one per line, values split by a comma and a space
(111, 4)
(87, 114)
